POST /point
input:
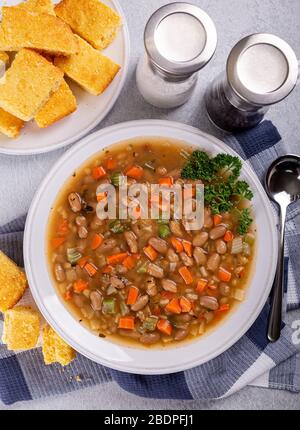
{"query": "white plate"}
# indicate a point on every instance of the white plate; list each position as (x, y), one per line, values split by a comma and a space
(130, 359)
(91, 109)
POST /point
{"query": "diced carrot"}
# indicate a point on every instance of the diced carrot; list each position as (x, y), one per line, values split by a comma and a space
(57, 241)
(201, 285)
(188, 247)
(136, 212)
(117, 258)
(80, 285)
(223, 308)
(150, 252)
(91, 269)
(133, 294)
(186, 275)
(156, 310)
(165, 327)
(189, 193)
(101, 197)
(228, 236)
(185, 304)
(177, 244)
(166, 182)
(173, 306)
(98, 172)
(107, 270)
(97, 241)
(167, 295)
(212, 293)
(135, 172)
(129, 262)
(68, 295)
(136, 256)
(63, 227)
(217, 219)
(82, 262)
(126, 323)
(110, 163)
(224, 275)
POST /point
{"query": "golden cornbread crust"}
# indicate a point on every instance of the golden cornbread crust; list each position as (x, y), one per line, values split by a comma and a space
(24, 29)
(13, 283)
(91, 19)
(10, 125)
(55, 349)
(28, 84)
(4, 57)
(40, 6)
(61, 104)
(21, 328)
(89, 68)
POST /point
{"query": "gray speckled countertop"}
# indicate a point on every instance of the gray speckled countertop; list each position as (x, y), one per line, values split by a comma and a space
(234, 19)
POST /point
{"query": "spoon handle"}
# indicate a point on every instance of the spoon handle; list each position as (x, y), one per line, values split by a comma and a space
(275, 317)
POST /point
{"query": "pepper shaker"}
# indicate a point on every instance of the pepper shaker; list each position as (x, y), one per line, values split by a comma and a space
(180, 39)
(262, 70)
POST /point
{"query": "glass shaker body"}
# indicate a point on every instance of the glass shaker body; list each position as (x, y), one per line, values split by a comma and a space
(227, 110)
(161, 89)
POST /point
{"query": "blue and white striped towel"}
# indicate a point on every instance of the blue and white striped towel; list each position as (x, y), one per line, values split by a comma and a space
(252, 360)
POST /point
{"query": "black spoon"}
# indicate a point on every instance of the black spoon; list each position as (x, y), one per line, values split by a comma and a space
(283, 187)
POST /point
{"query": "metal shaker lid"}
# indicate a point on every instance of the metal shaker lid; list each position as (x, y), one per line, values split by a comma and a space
(262, 69)
(180, 39)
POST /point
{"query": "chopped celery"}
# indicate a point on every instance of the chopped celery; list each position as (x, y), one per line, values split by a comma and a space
(117, 179)
(109, 305)
(150, 323)
(164, 231)
(124, 308)
(116, 226)
(142, 267)
(250, 238)
(73, 255)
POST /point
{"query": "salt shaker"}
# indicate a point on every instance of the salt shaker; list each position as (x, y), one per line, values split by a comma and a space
(180, 39)
(262, 70)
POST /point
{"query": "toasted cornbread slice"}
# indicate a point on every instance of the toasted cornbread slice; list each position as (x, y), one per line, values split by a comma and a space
(28, 84)
(13, 283)
(40, 6)
(90, 69)
(55, 349)
(21, 328)
(9, 124)
(61, 104)
(4, 57)
(91, 19)
(23, 29)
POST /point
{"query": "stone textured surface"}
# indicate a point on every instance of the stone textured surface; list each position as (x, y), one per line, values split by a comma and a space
(20, 176)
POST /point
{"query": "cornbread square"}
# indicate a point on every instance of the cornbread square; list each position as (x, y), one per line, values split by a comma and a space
(90, 69)
(55, 349)
(13, 283)
(24, 29)
(28, 84)
(61, 104)
(21, 328)
(4, 57)
(40, 6)
(9, 124)
(91, 19)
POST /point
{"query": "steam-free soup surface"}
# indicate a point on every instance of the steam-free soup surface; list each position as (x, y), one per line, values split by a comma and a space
(150, 282)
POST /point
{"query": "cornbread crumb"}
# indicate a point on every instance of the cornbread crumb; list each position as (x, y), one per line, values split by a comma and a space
(13, 283)
(55, 349)
(61, 104)
(90, 69)
(21, 328)
(28, 84)
(91, 19)
(4, 57)
(40, 6)
(25, 29)
(10, 125)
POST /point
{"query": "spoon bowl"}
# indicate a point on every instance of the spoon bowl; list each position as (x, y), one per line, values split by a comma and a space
(282, 184)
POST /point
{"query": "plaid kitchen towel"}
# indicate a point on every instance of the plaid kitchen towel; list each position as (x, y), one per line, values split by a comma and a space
(252, 360)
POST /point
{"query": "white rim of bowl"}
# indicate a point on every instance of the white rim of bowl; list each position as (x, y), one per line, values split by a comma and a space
(167, 369)
(82, 134)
